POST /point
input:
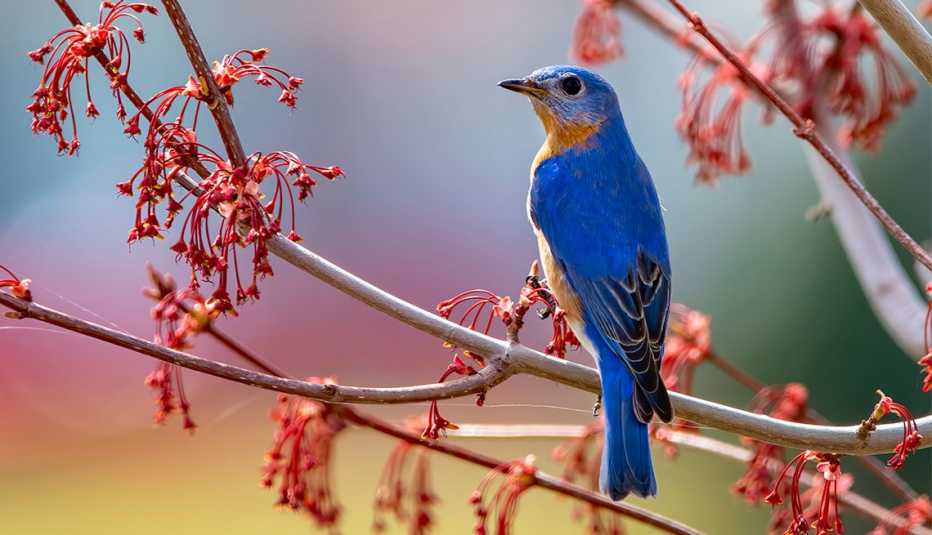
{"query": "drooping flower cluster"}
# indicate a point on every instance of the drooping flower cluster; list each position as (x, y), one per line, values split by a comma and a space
(581, 458)
(816, 507)
(926, 361)
(688, 344)
(595, 36)
(911, 437)
(917, 512)
(179, 315)
(810, 57)
(482, 308)
(68, 54)
(786, 402)
(300, 457)
(498, 493)
(404, 490)
(19, 288)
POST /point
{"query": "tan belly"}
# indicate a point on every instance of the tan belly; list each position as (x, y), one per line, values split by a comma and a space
(558, 284)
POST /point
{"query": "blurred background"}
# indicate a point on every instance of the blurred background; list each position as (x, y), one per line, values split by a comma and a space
(402, 95)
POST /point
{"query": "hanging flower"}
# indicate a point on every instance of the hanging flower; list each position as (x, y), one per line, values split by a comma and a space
(300, 457)
(595, 36)
(911, 437)
(404, 490)
(509, 481)
(821, 513)
(66, 57)
(917, 512)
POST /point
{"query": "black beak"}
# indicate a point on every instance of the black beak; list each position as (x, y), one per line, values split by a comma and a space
(525, 86)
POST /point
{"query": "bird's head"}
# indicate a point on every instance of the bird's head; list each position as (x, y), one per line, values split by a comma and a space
(568, 99)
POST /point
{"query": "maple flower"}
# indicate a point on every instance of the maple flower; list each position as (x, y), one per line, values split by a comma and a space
(435, 424)
(688, 344)
(66, 56)
(513, 479)
(595, 36)
(853, 36)
(822, 513)
(917, 512)
(787, 402)
(713, 130)
(404, 489)
(19, 288)
(245, 63)
(581, 457)
(926, 361)
(911, 437)
(300, 457)
(179, 316)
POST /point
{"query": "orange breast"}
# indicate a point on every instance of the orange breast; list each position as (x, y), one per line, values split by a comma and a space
(558, 283)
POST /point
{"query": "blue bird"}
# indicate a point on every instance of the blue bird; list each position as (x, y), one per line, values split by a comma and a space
(602, 243)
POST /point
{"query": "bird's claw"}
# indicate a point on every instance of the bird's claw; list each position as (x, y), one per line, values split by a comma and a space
(597, 408)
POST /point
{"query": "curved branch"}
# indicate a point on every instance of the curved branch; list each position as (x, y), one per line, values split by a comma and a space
(512, 359)
(902, 26)
(485, 379)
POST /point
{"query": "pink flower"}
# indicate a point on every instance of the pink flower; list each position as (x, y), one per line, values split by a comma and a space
(595, 36)
(404, 490)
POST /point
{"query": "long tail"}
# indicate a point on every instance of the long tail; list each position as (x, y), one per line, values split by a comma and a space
(626, 458)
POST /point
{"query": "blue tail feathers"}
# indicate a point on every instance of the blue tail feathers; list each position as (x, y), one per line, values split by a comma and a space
(626, 459)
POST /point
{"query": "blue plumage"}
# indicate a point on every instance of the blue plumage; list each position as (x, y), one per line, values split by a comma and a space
(600, 230)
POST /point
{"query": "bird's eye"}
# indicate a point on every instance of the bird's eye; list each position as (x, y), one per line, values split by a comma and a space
(571, 85)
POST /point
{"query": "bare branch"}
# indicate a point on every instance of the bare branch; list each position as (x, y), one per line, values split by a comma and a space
(902, 26)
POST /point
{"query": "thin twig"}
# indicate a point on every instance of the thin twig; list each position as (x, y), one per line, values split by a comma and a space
(805, 129)
(902, 26)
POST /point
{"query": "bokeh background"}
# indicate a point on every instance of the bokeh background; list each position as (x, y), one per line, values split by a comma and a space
(403, 96)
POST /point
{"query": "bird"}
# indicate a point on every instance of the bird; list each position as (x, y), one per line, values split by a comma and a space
(600, 232)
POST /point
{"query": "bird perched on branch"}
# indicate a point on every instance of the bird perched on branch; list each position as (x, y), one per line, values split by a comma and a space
(603, 246)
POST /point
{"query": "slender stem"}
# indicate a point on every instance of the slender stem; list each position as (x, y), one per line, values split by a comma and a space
(902, 26)
(805, 129)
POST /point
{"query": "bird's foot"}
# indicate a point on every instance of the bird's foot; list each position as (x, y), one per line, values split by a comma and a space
(597, 408)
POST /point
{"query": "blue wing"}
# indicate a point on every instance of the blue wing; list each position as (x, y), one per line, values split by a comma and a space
(601, 218)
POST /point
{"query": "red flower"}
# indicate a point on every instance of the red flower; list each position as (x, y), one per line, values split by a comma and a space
(247, 63)
(69, 52)
(918, 512)
(179, 316)
(911, 437)
(19, 288)
(853, 36)
(786, 402)
(404, 489)
(595, 36)
(926, 361)
(688, 344)
(581, 458)
(822, 497)
(713, 131)
(513, 479)
(436, 425)
(300, 457)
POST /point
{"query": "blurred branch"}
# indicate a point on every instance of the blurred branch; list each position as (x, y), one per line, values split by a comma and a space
(855, 501)
(906, 31)
(511, 359)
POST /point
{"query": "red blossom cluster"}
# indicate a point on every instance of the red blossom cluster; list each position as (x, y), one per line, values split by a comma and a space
(19, 288)
(404, 490)
(68, 53)
(581, 457)
(786, 402)
(300, 457)
(911, 437)
(816, 507)
(498, 493)
(688, 344)
(482, 308)
(595, 36)
(917, 512)
(179, 316)
(835, 43)
(926, 361)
